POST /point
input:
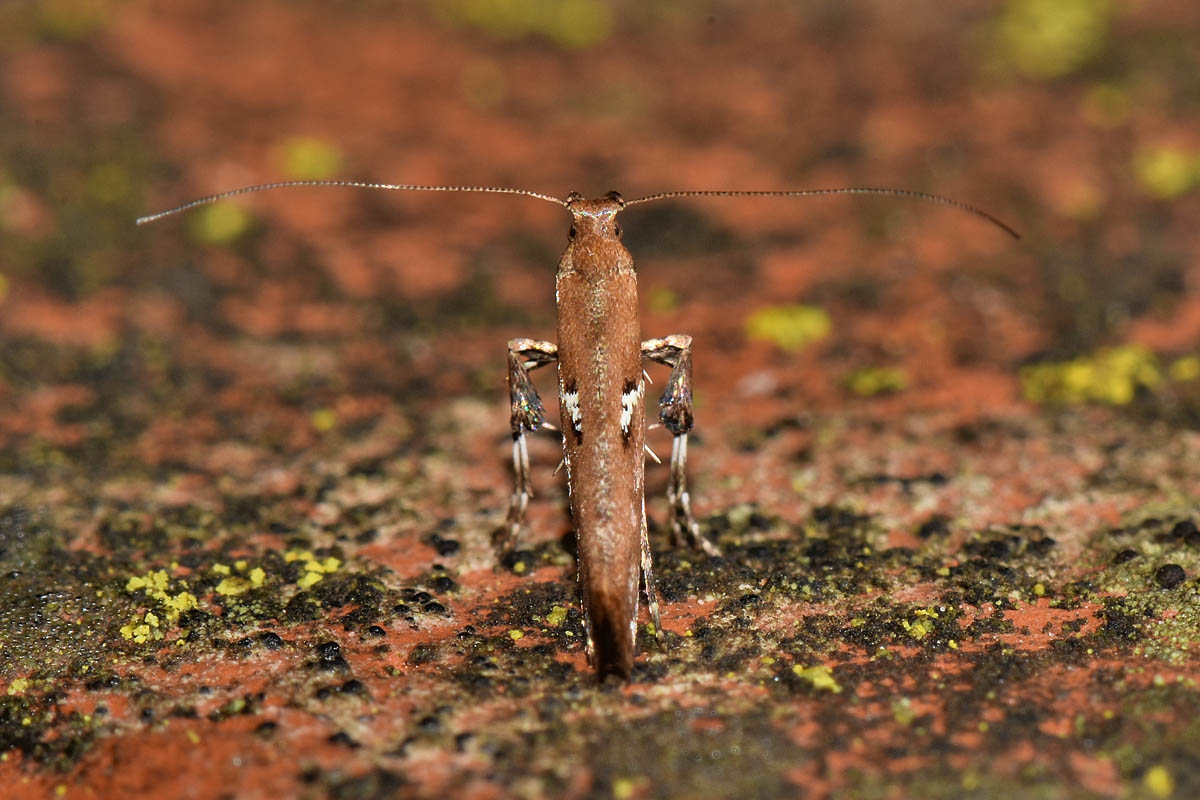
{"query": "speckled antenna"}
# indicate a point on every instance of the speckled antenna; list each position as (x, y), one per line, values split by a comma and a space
(409, 187)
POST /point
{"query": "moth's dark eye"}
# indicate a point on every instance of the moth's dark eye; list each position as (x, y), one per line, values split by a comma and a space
(617, 229)
(574, 231)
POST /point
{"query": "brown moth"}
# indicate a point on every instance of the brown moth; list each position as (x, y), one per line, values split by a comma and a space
(601, 391)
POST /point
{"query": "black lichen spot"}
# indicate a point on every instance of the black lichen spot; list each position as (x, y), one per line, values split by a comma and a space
(1185, 530)
(353, 686)
(936, 525)
(1168, 576)
(329, 657)
(444, 547)
(270, 640)
(303, 607)
(1118, 624)
(1125, 556)
(379, 783)
(512, 558)
(423, 654)
(838, 517)
(376, 632)
(443, 584)
(266, 729)
(343, 738)
(1040, 547)
(759, 521)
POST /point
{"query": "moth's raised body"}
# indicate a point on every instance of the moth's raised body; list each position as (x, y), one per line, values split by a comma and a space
(602, 410)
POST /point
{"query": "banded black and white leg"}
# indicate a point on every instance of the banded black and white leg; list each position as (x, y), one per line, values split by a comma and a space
(528, 415)
(675, 411)
(648, 578)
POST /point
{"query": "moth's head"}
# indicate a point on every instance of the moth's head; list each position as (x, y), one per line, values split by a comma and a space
(595, 217)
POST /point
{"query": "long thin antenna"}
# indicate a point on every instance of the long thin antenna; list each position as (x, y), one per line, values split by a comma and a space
(405, 187)
(820, 192)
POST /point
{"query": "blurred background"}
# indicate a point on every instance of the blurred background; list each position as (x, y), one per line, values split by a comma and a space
(322, 371)
(1073, 120)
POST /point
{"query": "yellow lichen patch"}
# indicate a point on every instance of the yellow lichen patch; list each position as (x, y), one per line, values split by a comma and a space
(920, 627)
(820, 676)
(871, 381)
(154, 585)
(178, 603)
(18, 686)
(230, 587)
(221, 569)
(307, 158)
(789, 327)
(154, 581)
(516, 633)
(1050, 38)
(72, 20)
(1166, 172)
(1159, 782)
(1111, 376)
(108, 184)
(315, 569)
(557, 616)
(902, 711)
(1184, 369)
(571, 24)
(310, 579)
(219, 223)
(234, 585)
(324, 420)
(137, 632)
(142, 631)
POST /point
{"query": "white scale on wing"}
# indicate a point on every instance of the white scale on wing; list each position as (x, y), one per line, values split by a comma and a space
(629, 401)
(571, 402)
